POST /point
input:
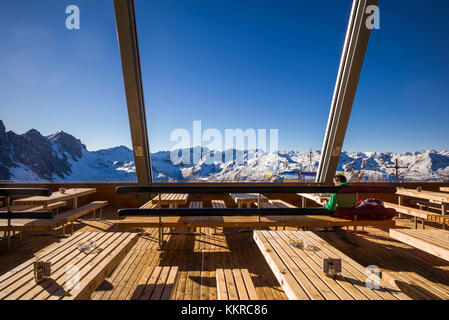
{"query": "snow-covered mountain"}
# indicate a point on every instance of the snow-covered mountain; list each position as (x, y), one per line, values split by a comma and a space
(60, 156)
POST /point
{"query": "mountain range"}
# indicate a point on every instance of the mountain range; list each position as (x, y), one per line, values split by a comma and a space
(60, 156)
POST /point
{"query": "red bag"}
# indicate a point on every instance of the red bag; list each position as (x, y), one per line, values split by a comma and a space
(370, 203)
(366, 209)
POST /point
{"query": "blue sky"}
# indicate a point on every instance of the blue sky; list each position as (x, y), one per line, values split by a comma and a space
(231, 64)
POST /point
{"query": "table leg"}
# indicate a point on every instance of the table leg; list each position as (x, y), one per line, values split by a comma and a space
(248, 205)
(172, 229)
(63, 235)
(75, 202)
(400, 203)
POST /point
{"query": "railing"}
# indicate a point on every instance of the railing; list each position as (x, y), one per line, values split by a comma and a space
(253, 189)
(240, 189)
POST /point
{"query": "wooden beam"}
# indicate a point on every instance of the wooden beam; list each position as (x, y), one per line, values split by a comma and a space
(356, 43)
(129, 52)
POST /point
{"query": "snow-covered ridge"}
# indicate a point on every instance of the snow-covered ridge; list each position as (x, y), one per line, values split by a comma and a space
(33, 157)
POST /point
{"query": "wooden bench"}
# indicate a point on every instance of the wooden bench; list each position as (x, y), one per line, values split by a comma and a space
(17, 207)
(156, 284)
(218, 204)
(247, 199)
(266, 205)
(173, 200)
(235, 284)
(49, 225)
(69, 267)
(435, 242)
(418, 214)
(282, 204)
(51, 207)
(27, 208)
(149, 205)
(71, 215)
(428, 204)
(299, 271)
(196, 204)
(242, 222)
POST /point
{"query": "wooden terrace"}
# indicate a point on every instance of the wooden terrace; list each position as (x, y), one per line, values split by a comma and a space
(197, 266)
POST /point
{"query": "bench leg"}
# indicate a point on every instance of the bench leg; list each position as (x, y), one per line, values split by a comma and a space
(63, 235)
(101, 213)
(415, 219)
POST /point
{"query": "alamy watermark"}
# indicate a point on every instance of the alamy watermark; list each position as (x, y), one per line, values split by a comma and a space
(190, 148)
(373, 20)
(372, 277)
(72, 277)
(73, 21)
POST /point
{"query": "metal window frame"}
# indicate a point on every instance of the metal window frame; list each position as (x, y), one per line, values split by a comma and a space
(132, 75)
(353, 56)
(351, 64)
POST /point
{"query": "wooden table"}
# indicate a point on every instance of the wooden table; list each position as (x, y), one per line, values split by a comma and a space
(444, 189)
(319, 199)
(91, 269)
(436, 197)
(173, 200)
(435, 242)
(300, 275)
(69, 194)
(246, 199)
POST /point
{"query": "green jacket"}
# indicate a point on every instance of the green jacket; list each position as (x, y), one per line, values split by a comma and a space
(341, 200)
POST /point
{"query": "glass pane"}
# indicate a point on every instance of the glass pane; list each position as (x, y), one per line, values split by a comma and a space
(209, 66)
(61, 93)
(400, 111)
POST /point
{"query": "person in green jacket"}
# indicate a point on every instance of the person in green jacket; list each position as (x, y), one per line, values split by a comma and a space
(341, 200)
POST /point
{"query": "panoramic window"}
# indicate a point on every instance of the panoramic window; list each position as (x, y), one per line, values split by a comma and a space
(238, 91)
(63, 108)
(400, 111)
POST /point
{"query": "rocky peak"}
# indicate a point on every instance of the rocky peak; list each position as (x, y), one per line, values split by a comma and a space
(2, 129)
(68, 143)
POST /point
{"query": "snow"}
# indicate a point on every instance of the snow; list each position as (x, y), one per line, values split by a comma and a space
(117, 164)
